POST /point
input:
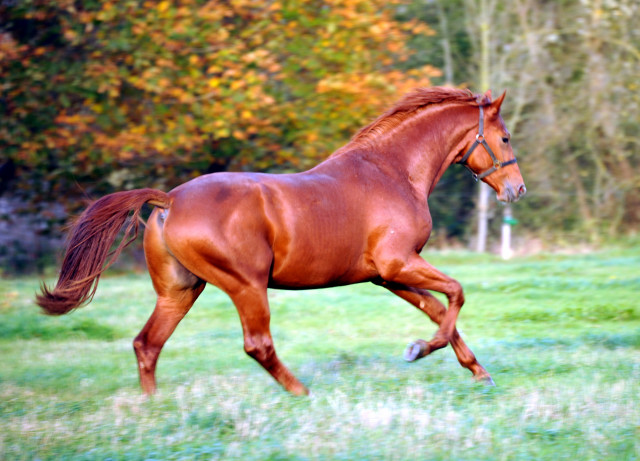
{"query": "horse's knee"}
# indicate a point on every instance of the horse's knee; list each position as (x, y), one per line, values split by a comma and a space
(455, 294)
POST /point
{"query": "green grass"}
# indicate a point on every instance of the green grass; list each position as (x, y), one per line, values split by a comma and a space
(559, 334)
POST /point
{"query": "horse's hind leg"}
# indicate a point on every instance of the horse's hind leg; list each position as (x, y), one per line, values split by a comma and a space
(431, 306)
(253, 308)
(177, 290)
(171, 306)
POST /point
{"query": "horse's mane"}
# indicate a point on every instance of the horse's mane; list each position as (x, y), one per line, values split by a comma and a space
(412, 102)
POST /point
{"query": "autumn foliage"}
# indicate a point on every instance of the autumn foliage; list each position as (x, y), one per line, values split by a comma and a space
(120, 94)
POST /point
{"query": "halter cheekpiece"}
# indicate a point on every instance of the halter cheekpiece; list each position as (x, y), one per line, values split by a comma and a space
(497, 164)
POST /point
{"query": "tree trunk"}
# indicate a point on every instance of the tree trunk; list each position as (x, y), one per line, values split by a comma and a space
(485, 83)
(446, 44)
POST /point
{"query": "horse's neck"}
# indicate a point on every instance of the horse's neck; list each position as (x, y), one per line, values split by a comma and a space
(423, 146)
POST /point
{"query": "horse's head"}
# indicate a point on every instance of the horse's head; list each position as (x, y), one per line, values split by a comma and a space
(489, 154)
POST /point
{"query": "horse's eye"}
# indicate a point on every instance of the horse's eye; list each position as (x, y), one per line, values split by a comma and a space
(505, 140)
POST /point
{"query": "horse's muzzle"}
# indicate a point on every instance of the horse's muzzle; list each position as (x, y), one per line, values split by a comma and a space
(511, 193)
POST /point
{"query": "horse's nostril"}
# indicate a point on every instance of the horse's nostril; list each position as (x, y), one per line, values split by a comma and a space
(522, 190)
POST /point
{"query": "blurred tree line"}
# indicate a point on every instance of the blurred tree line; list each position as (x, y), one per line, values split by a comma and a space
(571, 70)
(100, 96)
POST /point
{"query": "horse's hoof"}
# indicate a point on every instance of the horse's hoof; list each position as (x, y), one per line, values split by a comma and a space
(485, 379)
(414, 351)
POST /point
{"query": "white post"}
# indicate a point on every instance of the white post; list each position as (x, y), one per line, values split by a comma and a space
(484, 192)
(507, 220)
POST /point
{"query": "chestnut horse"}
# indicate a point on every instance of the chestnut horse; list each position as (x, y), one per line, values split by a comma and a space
(359, 216)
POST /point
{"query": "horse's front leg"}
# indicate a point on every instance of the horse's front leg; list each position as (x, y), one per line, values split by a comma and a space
(416, 272)
(431, 306)
(253, 308)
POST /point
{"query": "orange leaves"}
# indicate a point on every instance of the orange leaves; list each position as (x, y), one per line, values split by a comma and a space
(9, 48)
(77, 120)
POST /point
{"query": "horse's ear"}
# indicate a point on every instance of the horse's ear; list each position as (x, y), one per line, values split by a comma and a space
(493, 109)
(487, 95)
(498, 102)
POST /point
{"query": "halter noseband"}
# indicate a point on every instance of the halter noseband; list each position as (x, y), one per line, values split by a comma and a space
(497, 164)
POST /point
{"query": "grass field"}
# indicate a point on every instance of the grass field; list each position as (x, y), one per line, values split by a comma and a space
(559, 334)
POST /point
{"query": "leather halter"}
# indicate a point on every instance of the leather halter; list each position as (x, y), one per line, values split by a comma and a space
(497, 164)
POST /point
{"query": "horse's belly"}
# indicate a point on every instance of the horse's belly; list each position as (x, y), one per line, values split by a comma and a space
(319, 270)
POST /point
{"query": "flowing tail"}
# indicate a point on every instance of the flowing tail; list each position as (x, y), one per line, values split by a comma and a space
(91, 237)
